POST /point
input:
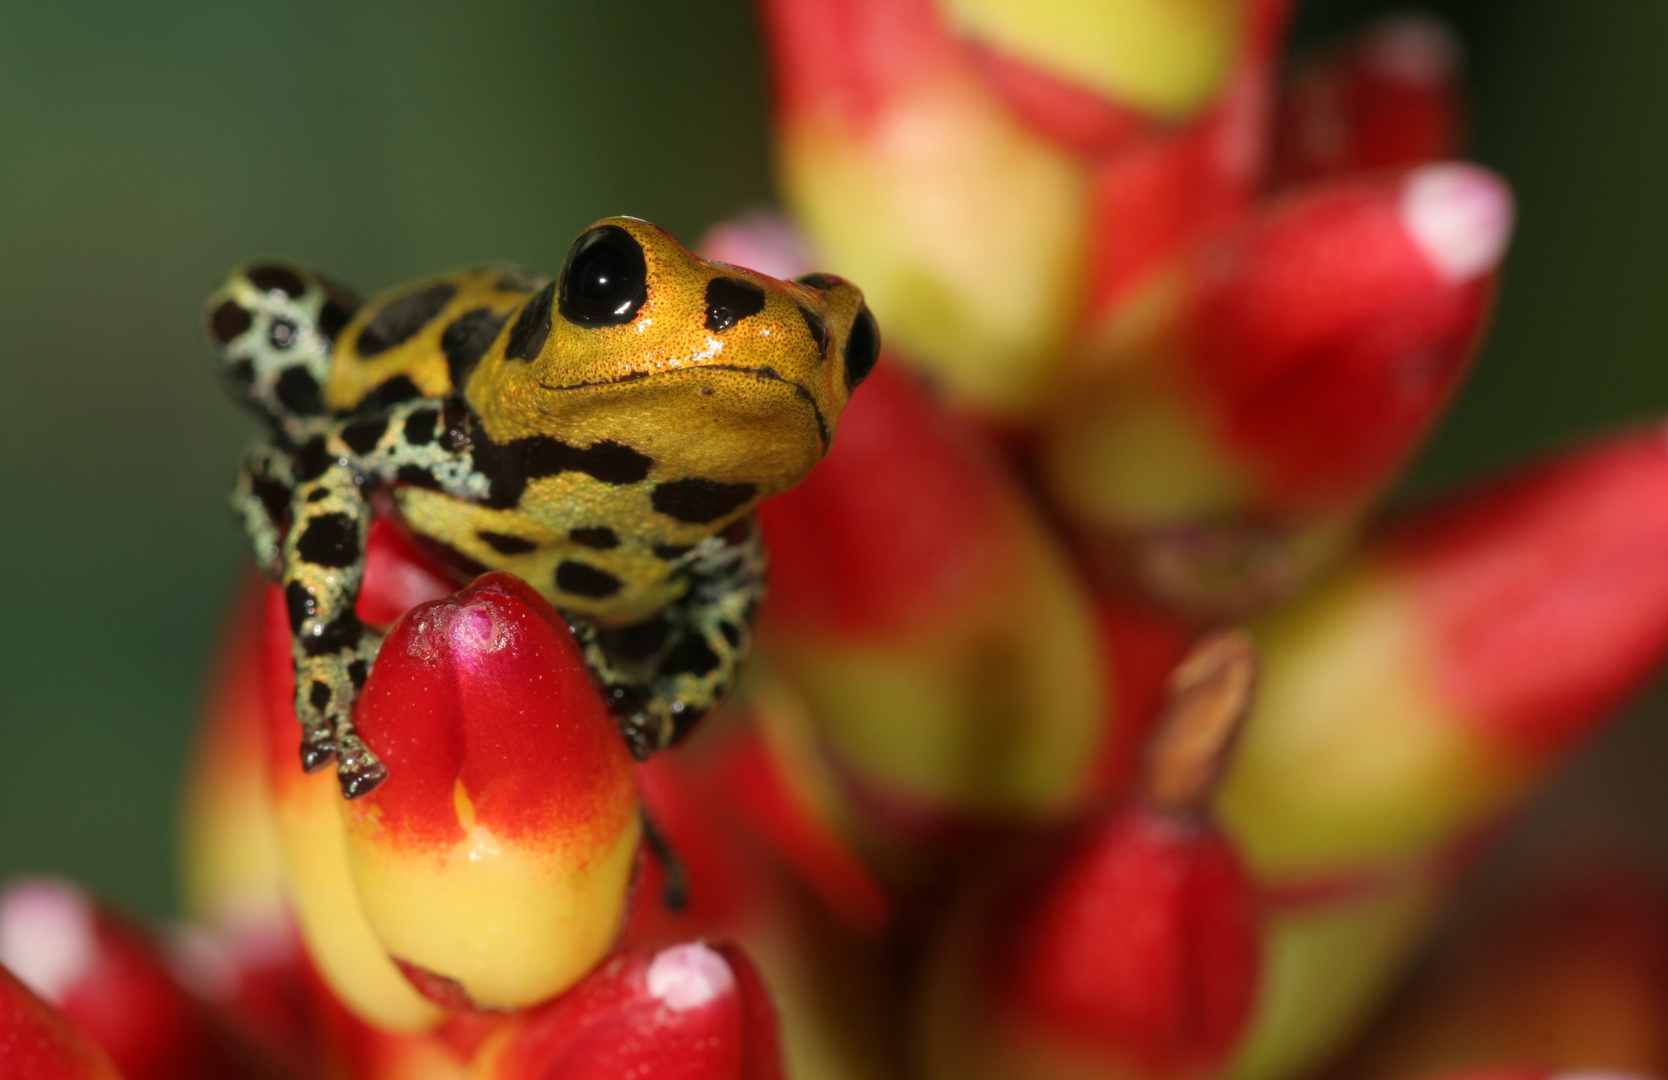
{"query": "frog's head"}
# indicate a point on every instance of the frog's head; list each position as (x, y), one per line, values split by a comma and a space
(711, 371)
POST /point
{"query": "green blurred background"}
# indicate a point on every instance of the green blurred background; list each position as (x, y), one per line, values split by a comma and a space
(146, 147)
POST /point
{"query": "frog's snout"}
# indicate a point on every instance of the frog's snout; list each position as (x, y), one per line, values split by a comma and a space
(856, 332)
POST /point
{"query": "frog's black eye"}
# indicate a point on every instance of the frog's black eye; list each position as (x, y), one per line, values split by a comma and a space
(605, 279)
(862, 347)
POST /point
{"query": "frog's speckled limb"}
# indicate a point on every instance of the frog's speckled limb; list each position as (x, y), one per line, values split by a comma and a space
(323, 565)
(261, 500)
(604, 436)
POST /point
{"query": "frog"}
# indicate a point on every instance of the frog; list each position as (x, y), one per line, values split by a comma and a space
(605, 435)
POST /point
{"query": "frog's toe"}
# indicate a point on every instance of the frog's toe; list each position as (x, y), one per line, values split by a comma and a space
(326, 689)
(318, 745)
(640, 723)
(358, 770)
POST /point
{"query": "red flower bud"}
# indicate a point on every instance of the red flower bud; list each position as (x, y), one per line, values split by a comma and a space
(495, 858)
(1388, 99)
(1141, 947)
(1131, 947)
(1420, 695)
(1299, 363)
(1326, 338)
(111, 983)
(689, 1012)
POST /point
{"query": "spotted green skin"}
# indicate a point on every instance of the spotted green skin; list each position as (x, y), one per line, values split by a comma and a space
(379, 408)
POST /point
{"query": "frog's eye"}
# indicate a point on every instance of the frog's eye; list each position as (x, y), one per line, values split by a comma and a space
(605, 279)
(862, 347)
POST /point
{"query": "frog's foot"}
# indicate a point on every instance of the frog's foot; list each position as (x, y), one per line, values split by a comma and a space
(326, 687)
(623, 662)
(643, 721)
(656, 708)
(663, 674)
(318, 744)
(358, 770)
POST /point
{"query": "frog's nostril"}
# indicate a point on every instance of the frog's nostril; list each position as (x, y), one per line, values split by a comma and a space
(862, 347)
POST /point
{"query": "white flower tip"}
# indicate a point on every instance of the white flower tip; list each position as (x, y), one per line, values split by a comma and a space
(686, 977)
(759, 239)
(1460, 216)
(1415, 49)
(46, 935)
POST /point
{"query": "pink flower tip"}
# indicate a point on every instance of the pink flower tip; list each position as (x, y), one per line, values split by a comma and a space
(761, 239)
(1460, 217)
(46, 935)
(689, 976)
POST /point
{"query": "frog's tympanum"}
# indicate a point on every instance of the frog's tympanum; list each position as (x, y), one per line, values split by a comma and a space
(604, 436)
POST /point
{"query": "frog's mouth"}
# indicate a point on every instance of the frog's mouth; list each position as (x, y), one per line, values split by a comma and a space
(768, 374)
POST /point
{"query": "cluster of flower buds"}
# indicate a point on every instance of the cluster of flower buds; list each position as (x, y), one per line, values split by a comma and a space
(999, 796)
(464, 920)
(1182, 328)
(1066, 224)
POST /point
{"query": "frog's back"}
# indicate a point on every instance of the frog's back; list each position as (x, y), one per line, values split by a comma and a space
(422, 339)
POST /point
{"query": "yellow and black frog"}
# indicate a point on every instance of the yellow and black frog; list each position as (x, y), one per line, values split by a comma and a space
(605, 436)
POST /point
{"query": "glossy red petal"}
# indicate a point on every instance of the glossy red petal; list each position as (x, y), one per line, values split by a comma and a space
(688, 1012)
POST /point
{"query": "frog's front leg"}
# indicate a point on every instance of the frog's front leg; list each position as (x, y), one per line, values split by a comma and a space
(323, 566)
(261, 500)
(664, 674)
